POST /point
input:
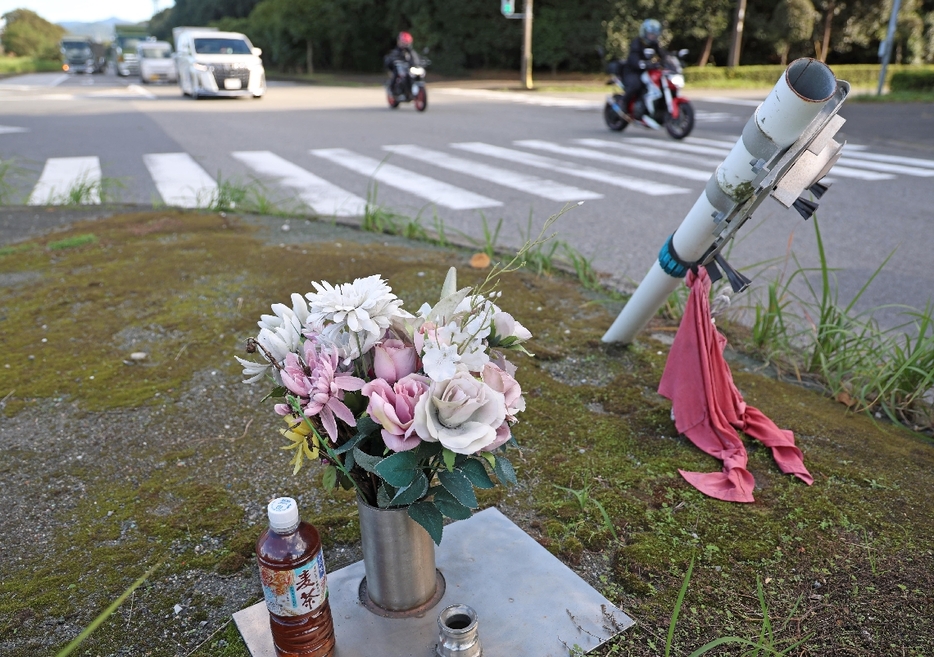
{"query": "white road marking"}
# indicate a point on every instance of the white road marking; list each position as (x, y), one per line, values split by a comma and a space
(572, 169)
(434, 191)
(549, 189)
(895, 159)
(7, 129)
(181, 181)
(63, 176)
(716, 117)
(645, 165)
(861, 163)
(138, 89)
(323, 197)
(656, 149)
(745, 102)
(525, 99)
(722, 149)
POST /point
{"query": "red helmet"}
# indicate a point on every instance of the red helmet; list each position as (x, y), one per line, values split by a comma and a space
(404, 40)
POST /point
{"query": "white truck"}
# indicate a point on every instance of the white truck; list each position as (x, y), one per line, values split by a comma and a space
(215, 63)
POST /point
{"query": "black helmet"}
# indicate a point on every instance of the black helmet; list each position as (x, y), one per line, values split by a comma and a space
(650, 30)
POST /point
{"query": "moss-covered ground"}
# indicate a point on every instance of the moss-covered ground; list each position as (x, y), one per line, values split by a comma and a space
(112, 463)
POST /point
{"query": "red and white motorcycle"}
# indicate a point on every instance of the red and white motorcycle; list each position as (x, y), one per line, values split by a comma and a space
(661, 104)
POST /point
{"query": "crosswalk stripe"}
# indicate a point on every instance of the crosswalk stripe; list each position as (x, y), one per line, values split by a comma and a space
(430, 189)
(895, 159)
(322, 196)
(645, 165)
(722, 149)
(63, 176)
(889, 168)
(572, 169)
(650, 151)
(543, 187)
(180, 180)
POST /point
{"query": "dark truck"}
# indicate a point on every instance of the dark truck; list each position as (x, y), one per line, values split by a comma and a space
(82, 54)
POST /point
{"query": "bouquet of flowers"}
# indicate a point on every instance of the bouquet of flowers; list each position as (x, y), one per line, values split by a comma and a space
(410, 410)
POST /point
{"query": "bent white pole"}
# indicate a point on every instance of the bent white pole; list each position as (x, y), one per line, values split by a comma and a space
(795, 101)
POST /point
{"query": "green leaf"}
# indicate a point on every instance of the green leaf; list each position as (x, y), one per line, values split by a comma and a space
(413, 492)
(477, 474)
(449, 458)
(329, 479)
(398, 469)
(504, 471)
(278, 392)
(427, 515)
(366, 461)
(426, 450)
(458, 485)
(384, 495)
(489, 458)
(365, 427)
(449, 506)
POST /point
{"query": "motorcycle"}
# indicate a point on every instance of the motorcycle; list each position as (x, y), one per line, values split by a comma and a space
(409, 85)
(661, 104)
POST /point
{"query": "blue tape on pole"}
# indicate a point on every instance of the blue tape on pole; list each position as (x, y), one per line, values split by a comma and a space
(669, 261)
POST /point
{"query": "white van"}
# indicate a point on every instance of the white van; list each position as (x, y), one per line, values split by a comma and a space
(156, 63)
(214, 63)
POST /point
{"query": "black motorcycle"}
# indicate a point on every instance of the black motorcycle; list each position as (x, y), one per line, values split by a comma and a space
(408, 84)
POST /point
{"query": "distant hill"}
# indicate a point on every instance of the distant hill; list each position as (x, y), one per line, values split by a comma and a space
(99, 30)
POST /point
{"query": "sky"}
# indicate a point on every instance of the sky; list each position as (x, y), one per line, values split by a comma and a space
(88, 11)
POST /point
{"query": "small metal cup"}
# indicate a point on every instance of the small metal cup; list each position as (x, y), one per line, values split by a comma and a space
(458, 625)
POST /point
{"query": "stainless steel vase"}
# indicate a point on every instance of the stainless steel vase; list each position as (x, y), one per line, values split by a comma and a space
(399, 559)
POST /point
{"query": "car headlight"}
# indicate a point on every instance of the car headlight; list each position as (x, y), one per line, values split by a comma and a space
(678, 80)
(202, 67)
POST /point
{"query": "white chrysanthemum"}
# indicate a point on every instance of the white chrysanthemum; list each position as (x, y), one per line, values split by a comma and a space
(364, 308)
(253, 371)
(297, 315)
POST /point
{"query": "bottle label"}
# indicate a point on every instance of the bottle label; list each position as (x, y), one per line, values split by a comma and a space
(295, 592)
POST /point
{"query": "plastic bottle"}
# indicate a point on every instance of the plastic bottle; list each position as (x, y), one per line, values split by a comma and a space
(291, 568)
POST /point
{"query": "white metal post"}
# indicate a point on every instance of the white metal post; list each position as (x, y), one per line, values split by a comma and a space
(793, 104)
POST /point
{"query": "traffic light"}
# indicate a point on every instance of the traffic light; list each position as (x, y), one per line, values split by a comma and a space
(508, 7)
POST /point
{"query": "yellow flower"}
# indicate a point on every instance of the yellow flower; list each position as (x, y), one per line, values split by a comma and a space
(303, 440)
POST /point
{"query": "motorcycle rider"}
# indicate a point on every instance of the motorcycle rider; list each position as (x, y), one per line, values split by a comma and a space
(637, 61)
(403, 52)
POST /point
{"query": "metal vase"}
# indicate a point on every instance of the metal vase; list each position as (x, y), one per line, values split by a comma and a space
(458, 633)
(399, 558)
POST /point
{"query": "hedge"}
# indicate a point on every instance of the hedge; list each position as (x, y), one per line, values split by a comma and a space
(858, 75)
(10, 65)
(914, 80)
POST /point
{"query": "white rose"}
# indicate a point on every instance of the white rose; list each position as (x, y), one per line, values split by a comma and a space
(462, 413)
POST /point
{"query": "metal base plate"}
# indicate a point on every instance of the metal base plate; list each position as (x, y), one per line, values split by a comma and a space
(527, 601)
(440, 586)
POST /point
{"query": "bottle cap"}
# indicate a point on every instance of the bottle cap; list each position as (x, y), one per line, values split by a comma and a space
(283, 515)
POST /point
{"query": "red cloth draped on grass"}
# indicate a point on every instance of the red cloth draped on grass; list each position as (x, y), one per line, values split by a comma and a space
(708, 408)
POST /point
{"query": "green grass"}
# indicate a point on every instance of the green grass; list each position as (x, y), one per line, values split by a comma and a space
(15, 65)
(893, 97)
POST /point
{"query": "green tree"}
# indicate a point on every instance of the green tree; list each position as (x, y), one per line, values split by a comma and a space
(792, 26)
(29, 35)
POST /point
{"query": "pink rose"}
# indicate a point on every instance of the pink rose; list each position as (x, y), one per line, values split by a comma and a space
(462, 413)
(503, 382)
(393, 360)
(393, 407)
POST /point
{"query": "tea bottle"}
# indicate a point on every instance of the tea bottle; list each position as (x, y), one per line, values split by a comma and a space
(291, 568)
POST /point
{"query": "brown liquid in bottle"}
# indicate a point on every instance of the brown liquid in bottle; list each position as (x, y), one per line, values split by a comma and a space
(279, 556)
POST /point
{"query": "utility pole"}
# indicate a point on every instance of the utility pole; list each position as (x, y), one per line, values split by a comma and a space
(736, 44)
(527, 46)
(885, 48)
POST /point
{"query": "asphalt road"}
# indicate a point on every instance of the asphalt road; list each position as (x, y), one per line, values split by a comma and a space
(475, 157)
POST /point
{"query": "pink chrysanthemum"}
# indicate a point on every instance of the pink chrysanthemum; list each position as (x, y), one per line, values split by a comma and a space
(320, 386)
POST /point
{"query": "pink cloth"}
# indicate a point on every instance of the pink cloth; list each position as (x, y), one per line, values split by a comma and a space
(708, 408)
